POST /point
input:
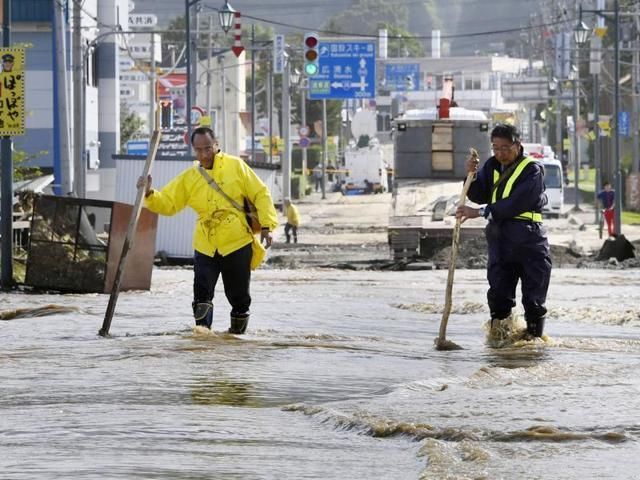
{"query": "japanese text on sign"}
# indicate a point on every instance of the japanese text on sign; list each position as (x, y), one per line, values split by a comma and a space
(12, 109)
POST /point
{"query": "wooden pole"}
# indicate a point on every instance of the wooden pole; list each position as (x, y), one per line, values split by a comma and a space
(128, 241)
(441, 342)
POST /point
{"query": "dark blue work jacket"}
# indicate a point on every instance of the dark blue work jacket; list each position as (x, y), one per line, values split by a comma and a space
(519, 197)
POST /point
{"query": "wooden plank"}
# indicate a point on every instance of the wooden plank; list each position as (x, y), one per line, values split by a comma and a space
(128, 242)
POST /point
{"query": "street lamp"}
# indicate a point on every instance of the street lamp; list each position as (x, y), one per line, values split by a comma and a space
(294, 77)
(226, 16)
(581, 33)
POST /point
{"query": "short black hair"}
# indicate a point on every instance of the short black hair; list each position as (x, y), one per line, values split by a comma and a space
(203, 131)
(506, 131)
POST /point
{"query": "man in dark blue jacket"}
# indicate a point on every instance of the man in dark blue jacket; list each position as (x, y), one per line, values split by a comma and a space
(511, 186)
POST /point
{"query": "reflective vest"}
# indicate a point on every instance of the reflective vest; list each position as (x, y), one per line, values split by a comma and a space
(529, 216)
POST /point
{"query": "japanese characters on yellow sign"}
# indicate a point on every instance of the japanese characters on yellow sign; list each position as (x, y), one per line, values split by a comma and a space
(12, 108)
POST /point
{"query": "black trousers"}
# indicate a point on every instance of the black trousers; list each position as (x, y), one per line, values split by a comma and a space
(518, 251)
(289, 227)
(236, 277)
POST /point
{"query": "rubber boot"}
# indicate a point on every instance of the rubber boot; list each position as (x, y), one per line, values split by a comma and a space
(239, 322)
(203, 314)
(499, 327)
(535, 326)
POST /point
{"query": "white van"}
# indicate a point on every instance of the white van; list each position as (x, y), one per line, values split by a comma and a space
(553, 180)
(554, 184)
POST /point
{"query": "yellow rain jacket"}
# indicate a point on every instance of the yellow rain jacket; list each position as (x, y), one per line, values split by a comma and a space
(220, 226)
(293, 217)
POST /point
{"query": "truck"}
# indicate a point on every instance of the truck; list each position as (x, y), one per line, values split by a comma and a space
(431, 149)
(366, 170)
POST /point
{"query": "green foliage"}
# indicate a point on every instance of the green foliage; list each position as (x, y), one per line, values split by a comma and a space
(22, 172)
(402, 43)
(364, 16)
(130, 125)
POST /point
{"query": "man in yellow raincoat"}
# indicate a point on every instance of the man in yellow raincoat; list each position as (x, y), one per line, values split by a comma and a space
(223, 241)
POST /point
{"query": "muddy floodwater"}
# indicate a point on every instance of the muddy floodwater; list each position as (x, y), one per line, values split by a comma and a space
(337, 378)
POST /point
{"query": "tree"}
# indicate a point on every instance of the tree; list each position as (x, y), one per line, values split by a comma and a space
(22, 172)
(130, 125)
(365, 15)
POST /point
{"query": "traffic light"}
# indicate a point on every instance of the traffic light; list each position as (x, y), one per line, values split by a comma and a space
(311, 56)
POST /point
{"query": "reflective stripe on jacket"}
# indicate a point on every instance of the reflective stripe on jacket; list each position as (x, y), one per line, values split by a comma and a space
(508, 185)
(521, 196)
(220, 226)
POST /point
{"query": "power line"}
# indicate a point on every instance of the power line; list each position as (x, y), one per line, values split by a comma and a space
(417, 37)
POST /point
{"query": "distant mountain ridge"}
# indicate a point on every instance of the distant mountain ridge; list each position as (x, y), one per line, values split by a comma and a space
(454, 18)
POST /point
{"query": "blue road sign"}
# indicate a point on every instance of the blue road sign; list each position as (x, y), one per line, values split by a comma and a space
(347, 70)
(623, 124)
(402, 77)
(138, 147)
(304, 142)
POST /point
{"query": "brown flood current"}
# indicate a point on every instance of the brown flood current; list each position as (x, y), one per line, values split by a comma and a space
(337, 378)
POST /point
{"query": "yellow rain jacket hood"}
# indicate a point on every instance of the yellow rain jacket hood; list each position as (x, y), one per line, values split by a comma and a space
(220, 226)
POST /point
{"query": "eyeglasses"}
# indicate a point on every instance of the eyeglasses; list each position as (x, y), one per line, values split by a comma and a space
(504, 148)
(207, 149)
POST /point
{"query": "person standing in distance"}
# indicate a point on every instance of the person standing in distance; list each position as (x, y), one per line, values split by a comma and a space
(223, 241)
(511, 186)
(607, 197)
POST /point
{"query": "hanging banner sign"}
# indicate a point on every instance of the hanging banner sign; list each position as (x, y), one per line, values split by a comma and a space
(12, 104)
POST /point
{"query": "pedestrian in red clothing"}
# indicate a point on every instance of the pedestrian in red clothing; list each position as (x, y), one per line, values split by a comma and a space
(607, 198)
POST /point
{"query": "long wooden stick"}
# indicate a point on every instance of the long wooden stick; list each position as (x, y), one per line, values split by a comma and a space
(128, 241)
(455, 242)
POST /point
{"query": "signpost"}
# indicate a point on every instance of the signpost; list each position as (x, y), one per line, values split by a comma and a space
(278, 54)
(347, 70)
(402, 77)
(12, 87)
(623, 124)
(138, 147)
(142, 20)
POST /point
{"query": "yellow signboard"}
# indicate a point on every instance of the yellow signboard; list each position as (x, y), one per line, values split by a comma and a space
(12, 109)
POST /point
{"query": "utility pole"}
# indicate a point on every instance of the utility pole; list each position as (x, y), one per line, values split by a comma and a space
(253, 92)
(6, 210)
(270, 108)
(635, 78)
(208, 96)
(78, 93)
(532, 106)
(616, 103)
(152, 87)
(223, 102)
(303, 121)
(286, 130)
(325, 152)
(61, 103)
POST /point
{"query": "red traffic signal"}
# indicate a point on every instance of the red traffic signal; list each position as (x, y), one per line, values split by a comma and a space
(311, 40)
